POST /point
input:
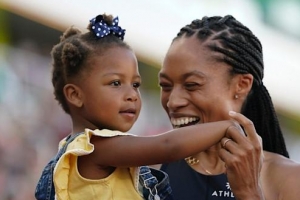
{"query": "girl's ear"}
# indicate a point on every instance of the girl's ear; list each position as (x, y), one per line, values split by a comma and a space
(73, 95)
(244, 84)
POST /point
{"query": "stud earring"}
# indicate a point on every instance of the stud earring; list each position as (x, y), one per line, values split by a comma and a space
(236, 96)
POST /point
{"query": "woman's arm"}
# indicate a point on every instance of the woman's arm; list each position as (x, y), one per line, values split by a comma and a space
(289, 185)
(280, 177)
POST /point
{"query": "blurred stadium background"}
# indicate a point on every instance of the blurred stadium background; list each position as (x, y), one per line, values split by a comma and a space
(31, 122)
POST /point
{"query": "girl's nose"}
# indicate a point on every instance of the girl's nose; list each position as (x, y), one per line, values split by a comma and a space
(132, 94)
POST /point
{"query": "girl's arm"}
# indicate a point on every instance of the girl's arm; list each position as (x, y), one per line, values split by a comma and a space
(166, 147)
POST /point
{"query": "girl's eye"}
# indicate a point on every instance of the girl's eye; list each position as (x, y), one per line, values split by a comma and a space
(116, 83)
(136, 85)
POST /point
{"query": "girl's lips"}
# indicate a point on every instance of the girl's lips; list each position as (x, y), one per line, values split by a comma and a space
(130, 110)
(129, 113)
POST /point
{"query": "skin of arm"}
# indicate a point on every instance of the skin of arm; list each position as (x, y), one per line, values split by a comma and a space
(284, 173)
(287, 193)
(125, 151)
(289, 184)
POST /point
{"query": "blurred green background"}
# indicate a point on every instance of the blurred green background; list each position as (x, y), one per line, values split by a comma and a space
(32, 123)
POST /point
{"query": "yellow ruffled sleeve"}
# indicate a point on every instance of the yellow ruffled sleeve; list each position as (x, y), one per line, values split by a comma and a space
(80, 146)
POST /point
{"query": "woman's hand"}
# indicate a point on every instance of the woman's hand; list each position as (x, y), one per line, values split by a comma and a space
(243, 156)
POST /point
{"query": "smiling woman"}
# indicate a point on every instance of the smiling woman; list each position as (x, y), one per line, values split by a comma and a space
(214, 65)
(26, 92)
(96, 81)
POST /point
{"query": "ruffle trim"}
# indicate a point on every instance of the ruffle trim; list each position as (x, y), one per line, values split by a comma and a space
(80, 146)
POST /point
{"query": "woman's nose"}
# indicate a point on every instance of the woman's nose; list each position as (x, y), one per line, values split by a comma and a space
(176, 99)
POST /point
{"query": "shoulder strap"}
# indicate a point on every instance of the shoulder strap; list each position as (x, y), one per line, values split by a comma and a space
(149, 182)
(45, 188)
(155, 184)
(68, 140)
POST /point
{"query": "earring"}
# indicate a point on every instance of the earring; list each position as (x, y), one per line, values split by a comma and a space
(236, 96)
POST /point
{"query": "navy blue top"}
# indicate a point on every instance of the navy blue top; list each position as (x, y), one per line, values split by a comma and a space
(187, 184)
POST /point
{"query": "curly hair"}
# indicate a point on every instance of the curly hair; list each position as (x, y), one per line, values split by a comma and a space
(71, 54)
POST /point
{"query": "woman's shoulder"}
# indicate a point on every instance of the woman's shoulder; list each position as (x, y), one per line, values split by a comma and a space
(279, 163)
(279, 167)
(280, 176)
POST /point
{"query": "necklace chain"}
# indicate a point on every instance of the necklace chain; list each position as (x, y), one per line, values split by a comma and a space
(194, 161)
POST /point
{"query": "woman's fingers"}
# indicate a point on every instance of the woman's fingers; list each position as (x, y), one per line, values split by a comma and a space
(225, 140)
(246, 123)
(242, 154)
(253, 138)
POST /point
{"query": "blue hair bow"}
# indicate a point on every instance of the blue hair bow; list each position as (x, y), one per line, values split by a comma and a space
(102, 29)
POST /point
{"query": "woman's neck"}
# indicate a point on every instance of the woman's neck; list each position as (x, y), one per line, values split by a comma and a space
(207, 162)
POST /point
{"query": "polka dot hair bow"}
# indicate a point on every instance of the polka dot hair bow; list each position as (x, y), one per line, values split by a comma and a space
(102, 29)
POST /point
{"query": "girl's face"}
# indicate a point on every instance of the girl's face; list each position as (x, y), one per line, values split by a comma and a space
(194, 87)
(111, 96)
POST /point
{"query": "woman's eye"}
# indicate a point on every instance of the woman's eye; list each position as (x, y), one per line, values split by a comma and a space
(165, 87)
(116, 83)
(191, 86)
(136, 85)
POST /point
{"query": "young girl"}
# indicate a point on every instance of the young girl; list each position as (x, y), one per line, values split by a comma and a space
(96, 81)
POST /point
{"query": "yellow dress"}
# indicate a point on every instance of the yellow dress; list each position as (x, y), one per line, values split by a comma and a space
(122, 184)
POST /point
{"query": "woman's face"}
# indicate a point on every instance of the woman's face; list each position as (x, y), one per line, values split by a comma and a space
(194, 87)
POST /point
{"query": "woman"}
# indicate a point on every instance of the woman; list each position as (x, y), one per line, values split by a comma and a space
(212, 66)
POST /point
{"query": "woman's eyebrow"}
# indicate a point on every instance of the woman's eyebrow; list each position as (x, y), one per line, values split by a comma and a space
(194, 73)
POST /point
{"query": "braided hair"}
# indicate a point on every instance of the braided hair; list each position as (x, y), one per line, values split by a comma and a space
(242, 50)
(71, 55)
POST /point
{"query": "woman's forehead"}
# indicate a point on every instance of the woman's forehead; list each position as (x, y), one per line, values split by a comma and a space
(185, 57)
(189, 48)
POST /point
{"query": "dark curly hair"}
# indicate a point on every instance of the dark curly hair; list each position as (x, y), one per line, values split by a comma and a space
(240, 48)
(70, 55)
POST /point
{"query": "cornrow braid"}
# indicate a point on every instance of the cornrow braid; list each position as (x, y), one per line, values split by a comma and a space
(71, 54)
(242, 50)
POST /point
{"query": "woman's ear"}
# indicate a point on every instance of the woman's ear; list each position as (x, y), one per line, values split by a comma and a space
(73, 95)
(244, 84)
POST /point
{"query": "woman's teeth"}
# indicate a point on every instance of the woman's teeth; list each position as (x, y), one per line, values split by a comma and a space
(183, 121)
